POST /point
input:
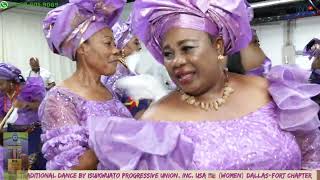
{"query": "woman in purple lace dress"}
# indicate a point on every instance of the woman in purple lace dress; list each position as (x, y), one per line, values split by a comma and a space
(81, 31)
(218, 119)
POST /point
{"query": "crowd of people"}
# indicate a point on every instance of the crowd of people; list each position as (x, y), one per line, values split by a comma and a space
(207, 99)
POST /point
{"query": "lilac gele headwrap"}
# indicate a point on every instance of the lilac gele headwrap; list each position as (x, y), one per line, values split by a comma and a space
(10, 72)
(308, 51)
(67, 26)
(226, 18)
(122, 32)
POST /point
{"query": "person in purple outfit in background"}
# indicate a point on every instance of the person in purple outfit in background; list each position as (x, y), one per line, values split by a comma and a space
(250, 60)
(254, 60)
(81, 31)
(128, 45)
(26, 96)
(217, 119)
(312, 49)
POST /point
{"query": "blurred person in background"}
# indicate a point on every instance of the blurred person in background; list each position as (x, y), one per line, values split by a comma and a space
(37, 71)
(19, 105)
(312, 49)
(250, 60)
(138, 72)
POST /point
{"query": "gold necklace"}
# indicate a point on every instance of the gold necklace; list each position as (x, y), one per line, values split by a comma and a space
(211, 105)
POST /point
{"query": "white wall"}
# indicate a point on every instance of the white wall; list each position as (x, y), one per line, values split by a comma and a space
(22, 38)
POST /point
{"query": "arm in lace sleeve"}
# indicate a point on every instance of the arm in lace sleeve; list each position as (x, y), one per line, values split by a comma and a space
(292, 93)
(65, 140)
(310, 149)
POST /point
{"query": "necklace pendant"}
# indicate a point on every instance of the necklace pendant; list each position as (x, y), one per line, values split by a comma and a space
(212, 105)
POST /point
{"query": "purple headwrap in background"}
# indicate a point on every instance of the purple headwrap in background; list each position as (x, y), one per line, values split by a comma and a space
(122, 32)
(10, 72)
(227, 18)
(307, 51)
(67, 26)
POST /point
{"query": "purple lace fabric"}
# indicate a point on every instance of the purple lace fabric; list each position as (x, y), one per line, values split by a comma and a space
(64, 122)
(263, 70)
(283, 134)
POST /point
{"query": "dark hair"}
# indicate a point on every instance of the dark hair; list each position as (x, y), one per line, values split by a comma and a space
(234, 63)
(310, 44)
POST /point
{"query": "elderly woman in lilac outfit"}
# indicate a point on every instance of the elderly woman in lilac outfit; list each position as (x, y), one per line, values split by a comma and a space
(217, 119)
(24, 95)
(81, 31)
